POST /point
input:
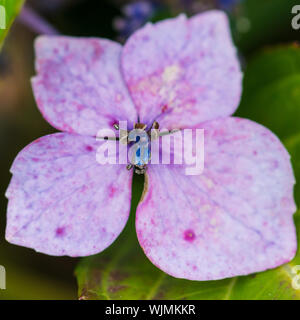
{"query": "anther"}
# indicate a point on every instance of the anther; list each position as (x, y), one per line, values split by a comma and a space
(140, 126)
(155, 125)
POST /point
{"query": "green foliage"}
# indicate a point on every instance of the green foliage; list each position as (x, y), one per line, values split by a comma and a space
(12, 8)
(256, 23)
(271, 97)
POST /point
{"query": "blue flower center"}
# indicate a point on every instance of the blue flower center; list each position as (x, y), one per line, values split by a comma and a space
(143, 154)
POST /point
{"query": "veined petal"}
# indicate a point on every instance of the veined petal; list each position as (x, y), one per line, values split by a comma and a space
(234, 219)
(183, 71)
(79, 87)
(62, 201)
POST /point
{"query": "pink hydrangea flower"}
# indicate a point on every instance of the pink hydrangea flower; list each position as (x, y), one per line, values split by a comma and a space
(234, 219)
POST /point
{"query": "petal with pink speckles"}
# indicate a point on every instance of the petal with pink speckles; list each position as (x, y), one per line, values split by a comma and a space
(79, 87)
(183, 71)
(62, 201)
(234, 219)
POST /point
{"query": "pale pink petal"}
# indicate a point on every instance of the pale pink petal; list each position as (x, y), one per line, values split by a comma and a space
(79, 87)
(234, 219)
(62, 202)
(183, 71)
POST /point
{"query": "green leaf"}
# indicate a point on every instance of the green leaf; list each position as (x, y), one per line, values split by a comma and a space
(12, 9)
(271, 97)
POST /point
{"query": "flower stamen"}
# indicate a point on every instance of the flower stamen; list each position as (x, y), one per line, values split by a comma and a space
(141, 160)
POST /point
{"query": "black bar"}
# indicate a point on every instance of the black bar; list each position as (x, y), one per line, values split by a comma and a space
(189, 309)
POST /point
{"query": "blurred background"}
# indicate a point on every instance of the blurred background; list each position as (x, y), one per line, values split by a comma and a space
(255, 25)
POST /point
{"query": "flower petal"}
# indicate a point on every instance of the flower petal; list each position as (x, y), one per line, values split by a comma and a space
(183, 71)
(79, 87)
(62, 202)
(234, 219)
